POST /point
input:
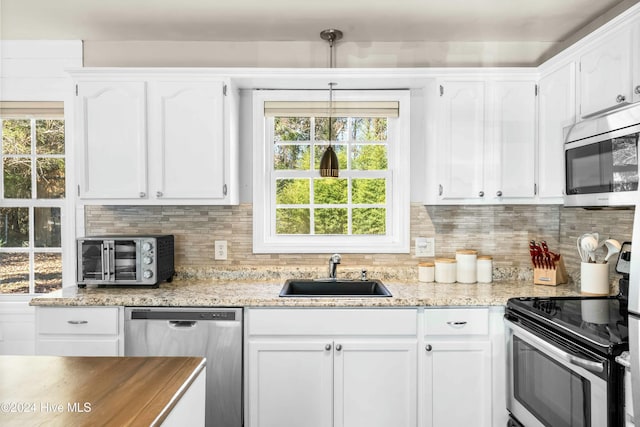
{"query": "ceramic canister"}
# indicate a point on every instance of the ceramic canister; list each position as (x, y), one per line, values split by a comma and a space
(445, 270)
(467, 265)
(426, 272)
(485, 269)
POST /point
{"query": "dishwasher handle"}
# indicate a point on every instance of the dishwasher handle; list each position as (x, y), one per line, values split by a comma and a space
(182, 323)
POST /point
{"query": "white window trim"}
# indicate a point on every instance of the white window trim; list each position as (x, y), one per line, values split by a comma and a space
(398, 215)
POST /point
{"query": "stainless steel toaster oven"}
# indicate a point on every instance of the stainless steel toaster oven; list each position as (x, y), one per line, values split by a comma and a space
(125, 260)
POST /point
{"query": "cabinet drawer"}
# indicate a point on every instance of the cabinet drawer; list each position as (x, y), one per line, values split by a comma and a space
(77, 320)
(456, 321)
(358, 321)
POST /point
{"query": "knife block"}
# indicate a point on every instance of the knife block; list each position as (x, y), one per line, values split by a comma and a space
(551, 276)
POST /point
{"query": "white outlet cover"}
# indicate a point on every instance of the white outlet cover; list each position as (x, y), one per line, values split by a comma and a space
(220, 250)
(425, 247)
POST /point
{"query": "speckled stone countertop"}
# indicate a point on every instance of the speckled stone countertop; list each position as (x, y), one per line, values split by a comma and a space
(219, 293)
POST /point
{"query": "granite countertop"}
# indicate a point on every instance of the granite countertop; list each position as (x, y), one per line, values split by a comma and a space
(225, 293)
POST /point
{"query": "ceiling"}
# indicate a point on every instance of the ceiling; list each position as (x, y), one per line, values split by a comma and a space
(551, 21)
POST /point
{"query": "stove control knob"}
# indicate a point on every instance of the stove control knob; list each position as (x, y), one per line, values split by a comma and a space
(147, 246)
(147, 260)
(147, 274)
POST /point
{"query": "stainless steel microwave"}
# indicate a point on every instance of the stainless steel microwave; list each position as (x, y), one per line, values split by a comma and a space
(125, 260)
(601, 160)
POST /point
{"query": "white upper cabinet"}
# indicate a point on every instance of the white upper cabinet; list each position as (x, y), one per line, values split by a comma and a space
(152, 138)
(513, 140)
(112, 140)
(187, 130)
(556, 98)
(486, 141)
(606, 77)
(461, 140)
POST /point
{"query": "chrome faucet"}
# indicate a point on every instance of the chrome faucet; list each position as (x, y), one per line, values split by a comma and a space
(333, 265)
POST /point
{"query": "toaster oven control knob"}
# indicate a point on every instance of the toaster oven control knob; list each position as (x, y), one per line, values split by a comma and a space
(147, 274)
(147, 246)
(147, 260)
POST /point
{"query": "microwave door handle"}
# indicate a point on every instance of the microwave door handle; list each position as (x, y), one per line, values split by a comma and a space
(575, 360)
(111, 260)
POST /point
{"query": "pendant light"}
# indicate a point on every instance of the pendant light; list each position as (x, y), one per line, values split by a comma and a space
(329, 161)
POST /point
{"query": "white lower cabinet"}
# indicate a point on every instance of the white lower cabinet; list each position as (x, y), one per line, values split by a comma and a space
(331, 367)
(463, 368)
(428, 367)
(80, 331)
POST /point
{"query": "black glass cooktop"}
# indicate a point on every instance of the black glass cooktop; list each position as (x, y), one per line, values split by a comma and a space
(601, 320)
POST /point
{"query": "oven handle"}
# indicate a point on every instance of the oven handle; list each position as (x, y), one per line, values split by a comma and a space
(579, 361)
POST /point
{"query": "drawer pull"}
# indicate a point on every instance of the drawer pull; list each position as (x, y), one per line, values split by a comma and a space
(428, 347)
(77, 322)
(327, 347)
(338, 347)
(458, 324)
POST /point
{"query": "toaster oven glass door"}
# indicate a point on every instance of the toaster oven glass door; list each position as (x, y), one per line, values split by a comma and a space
(109, 261)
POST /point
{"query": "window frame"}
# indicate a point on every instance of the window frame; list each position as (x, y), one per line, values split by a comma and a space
(65, 204)
(397, 238)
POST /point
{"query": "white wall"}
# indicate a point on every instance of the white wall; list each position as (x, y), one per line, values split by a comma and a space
(34, 71)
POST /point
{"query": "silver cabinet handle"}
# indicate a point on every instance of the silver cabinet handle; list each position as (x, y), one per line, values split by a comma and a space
(637, 90)
(428, 347)
(620, 98)
(481, 194)
(458, 324)
(338, 347)
(77, 322)
(142, 194)
(440, 189)
(499, 193)
(327, 347)
(158, 193)
(575, 360)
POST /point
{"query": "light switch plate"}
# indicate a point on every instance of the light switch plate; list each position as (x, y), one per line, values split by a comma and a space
(220, 250)
(425, 247)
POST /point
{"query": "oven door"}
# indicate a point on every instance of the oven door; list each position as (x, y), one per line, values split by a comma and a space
(552, 386)
(107, 261)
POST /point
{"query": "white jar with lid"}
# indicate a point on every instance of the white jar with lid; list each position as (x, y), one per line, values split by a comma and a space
(426, 272)
(485, 269)
(445, 270)
(466, 260)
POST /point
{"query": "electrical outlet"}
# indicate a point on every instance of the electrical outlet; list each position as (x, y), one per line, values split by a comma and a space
(425, 247)
(220, 250)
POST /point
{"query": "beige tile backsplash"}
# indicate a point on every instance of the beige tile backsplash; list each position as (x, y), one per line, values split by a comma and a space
(501, 231)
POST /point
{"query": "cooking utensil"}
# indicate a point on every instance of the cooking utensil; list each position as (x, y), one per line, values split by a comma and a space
(589, 244)
(583, 254)
(613, 247)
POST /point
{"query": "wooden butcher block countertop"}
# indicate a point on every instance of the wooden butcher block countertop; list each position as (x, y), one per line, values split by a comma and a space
(90, 391)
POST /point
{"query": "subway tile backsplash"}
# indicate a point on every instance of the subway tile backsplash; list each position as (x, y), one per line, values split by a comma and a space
(501, 231)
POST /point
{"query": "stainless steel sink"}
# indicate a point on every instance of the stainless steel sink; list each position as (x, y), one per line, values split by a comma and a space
(333, 288)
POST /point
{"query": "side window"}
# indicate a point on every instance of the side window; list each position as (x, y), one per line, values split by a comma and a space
(32, 201)
(297, 210)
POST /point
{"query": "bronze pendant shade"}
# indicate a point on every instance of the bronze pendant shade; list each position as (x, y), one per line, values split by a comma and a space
(329, 163)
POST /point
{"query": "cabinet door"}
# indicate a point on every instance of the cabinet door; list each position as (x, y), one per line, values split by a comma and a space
(188, 155)
(605, 74)
(290, 384)
(457, 383)
(511, 169)
(556, 97)
(112, 140)
(375, 383)
(635, 48)
(461, 139)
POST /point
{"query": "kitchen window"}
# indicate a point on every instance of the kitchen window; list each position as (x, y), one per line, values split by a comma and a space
(366, 208)
(32, 196)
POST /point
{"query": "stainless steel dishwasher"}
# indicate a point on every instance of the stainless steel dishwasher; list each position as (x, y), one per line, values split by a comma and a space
(212, 333)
